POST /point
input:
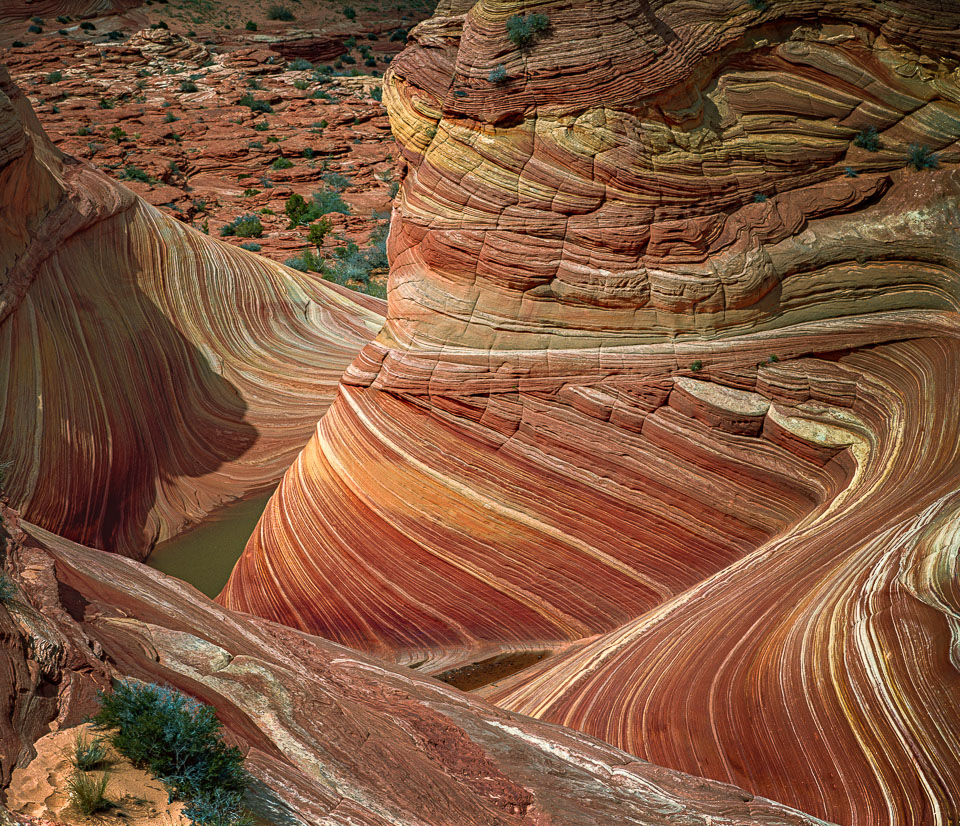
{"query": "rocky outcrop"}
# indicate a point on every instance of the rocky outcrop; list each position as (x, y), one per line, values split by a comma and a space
(673, 306)
(330, 736)
(147, 371)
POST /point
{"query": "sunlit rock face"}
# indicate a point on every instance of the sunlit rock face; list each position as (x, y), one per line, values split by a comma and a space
(147, 372)
(329, 736)
(671, 359)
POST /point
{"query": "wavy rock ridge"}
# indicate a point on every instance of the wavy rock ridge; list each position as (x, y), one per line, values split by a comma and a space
(330, 736)
(147, 371)
(667, 360)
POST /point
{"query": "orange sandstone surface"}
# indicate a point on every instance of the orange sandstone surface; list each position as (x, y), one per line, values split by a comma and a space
(330, 735)
(666, 386)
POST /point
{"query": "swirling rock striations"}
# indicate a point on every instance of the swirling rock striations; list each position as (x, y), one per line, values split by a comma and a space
(330, 736)
(668, 358)
(147, 371)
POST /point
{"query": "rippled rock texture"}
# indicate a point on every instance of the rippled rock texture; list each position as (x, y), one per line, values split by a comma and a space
(330, 736)
(667, 386)
(147, 371)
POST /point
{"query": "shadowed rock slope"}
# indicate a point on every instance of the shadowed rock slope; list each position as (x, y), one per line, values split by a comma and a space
(670, 358)
(330, 736)
(147, 371)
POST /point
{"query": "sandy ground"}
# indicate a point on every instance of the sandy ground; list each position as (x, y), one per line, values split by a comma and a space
(39, 789)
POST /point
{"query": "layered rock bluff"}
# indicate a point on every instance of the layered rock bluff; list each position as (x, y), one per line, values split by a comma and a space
(670, 359)
(147, 371)
(330, 736)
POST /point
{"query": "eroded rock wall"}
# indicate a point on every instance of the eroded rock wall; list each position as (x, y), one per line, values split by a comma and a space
(666, 339)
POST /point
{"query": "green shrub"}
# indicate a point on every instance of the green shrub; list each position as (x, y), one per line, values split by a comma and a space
(253, 246)
(922, 157)
(868, 139)
(377, 93)
(281, 163)
(106, 103)
(63, 19)
(88, 795)
(394, 189)
(296, 208)
(370, 62)
(320, 94)
(299, 65)
(8, 589)
(522, 30)
(352, 266)
(399, 35)
(254, 104)
(305, 262)
(759, 198)
(261, 125)
(54, 77)
(300, 84)
(349, 12)
(86, 25)
(249, 193)
(83, 131)
(115, 35)
(498, 74)
(85, 755)
(696, 366)
(188, 86)
(318, 231)
(244, 226)
(280, 13)
(34, 29)
(170, 118)
(135, 173)
(251, 26)
(178, 740)
(759, 5)
(18, 44)
(349, 59)
(117, 133)
(337, 181)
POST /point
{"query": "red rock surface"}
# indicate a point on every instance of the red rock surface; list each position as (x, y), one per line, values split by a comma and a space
(148, 372)
(329, 735)
(667, 359)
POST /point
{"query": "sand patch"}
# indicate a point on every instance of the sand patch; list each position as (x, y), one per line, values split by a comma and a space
(40, 789)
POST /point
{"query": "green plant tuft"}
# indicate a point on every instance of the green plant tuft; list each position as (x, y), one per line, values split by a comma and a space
(868, 139)
(921, 157)
(86, 755)
(522, 30)
(88, 794)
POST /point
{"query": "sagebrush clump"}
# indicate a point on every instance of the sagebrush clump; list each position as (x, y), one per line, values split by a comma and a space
(179, 741)
(522, 30)
(244, 226)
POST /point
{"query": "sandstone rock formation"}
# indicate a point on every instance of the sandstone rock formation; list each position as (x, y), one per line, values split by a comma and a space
(330, 736)
(670, 358)
(147, 371)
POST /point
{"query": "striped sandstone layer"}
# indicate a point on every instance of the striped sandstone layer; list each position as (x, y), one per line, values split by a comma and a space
(668, 359)
(147, 371)
(330, 736)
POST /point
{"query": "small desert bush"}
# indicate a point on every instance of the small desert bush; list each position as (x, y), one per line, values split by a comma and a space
(254, 104)
(349, 12)
(498, 74)
(522, 30)
(178, 740)
(244, 226)
(300, 65)
(8, 589)
(188, 86)
(922, 157)
(281, 163)
(88, 794)
(86, 755)
(277, 12)
(55, 77)
(867, 139)
(135, 173)
(252, 246)
(250, 26)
